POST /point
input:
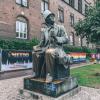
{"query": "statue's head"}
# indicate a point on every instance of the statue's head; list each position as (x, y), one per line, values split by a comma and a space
(49, 17)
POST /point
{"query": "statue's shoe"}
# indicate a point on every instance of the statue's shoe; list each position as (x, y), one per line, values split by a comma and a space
(48, 78)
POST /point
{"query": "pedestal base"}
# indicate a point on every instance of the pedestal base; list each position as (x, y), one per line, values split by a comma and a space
(53, 89)
(29, 95)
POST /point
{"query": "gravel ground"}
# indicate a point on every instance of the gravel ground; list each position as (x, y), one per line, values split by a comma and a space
(9, 91)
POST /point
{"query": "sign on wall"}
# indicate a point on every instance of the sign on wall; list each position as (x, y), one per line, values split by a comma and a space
(16, 59)
(78, 57)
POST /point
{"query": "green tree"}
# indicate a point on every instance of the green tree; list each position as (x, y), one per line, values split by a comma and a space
(90, 26)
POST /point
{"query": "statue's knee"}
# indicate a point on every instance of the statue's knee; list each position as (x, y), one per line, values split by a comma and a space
(33, 53)
(50, 51)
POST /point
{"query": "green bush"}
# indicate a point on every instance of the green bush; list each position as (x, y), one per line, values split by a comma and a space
(18, 44)
(69, 48)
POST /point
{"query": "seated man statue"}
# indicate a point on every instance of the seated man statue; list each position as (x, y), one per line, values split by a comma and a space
(49, 53)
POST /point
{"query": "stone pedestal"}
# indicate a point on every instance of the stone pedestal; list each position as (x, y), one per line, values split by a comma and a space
(30, 95)
(53, 89)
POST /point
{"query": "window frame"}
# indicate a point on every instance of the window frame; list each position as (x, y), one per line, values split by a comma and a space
(72, 3)
(22, 5)
(72, 19)
(80, 6)
(22, 25)
(61, 14)
(43, 7)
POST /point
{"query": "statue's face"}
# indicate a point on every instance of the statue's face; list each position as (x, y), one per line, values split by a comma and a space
(50, 19)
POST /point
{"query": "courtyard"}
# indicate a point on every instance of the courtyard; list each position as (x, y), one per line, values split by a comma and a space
(9, 88)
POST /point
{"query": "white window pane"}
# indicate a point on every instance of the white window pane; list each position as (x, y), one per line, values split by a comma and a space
(17, 26)
(18, 1)
(42, 7)
(71, 40)
(25, 29)
(79, 40)
(21, 27)
(24, 2)
(46, 6)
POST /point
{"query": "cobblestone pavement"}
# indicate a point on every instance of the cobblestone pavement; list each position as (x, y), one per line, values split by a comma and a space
(9, 90)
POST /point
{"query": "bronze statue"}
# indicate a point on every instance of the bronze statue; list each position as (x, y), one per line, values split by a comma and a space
(49, 54)
(51, 72)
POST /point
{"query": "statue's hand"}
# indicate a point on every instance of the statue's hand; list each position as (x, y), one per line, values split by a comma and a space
(36, 48)
(53, 37)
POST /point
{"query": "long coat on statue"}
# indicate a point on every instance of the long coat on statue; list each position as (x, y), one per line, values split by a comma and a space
(50, 52)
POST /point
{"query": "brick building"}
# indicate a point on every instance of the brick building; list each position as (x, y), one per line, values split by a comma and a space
(22, 18)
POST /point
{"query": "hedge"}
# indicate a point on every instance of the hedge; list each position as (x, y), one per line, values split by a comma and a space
(69, 48)
(18, 44)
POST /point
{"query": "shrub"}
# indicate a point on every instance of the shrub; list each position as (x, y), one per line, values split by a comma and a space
(69, 48)
(18, 44)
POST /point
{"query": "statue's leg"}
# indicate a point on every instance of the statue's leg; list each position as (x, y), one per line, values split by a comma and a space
(50, 62)
(36, 63)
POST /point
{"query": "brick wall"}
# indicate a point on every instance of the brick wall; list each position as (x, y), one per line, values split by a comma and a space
(9, 11)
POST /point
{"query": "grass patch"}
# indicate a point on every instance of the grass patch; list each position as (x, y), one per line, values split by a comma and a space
(88, 75)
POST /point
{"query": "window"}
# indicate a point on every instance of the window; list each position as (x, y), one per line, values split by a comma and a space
(61, 15)
(79, 41)
(71, 3)
(72, 39)
(21, 28)
(80, 6)
(72, 19)
(44, 5)
(22, 2)
(18, 1)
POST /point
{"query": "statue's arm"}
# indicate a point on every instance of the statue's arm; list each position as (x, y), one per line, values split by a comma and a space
(42, 40)
(40, 44)
(63, 37)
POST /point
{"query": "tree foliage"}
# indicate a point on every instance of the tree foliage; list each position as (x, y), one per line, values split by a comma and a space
(90, 26)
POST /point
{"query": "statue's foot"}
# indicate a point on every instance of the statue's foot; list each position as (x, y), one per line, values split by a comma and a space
(49, 78)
